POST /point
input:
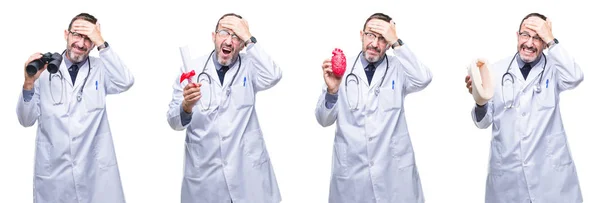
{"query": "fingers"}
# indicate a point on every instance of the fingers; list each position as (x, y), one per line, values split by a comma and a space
(469, 87)
(35, 56)
(531, 26)
(191, 96)
(191, 85)
(190, 89)
(231, 22)
(42, 69)
(467, 78)
(196, 98)
(187, 87)
(326, 63)
(380, 24)
(228, 25)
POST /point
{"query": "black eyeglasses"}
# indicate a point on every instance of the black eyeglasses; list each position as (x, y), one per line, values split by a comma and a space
(226, 34)
(78, 36)
(525, 36)
(372, 36)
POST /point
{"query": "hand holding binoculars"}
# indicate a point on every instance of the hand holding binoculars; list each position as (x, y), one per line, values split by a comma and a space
(52, 59)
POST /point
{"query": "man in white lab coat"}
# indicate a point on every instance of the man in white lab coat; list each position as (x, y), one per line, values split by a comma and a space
(74, 157)
(226, 159)
(530, 159)
(373, 159)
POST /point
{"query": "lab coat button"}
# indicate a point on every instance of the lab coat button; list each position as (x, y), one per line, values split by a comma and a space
(370, 139)
(225, 163)
(223, 139)
(524, 114)
(73, 139)
(371, 163)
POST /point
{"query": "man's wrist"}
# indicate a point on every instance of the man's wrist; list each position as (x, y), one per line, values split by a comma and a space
(28, 85)
(103, 45)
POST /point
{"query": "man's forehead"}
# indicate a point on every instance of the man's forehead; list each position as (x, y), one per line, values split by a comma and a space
(376, 20)
(223, 28)
(80, 21)
(529, 31)
(230, 17)
(534, 17)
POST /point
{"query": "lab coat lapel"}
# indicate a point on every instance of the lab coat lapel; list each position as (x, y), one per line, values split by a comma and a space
(81, 75)
(378, 75)
(233, 68)
(359, 71)
(515, 70)
(212, 72)
(534, 73)
(65, 74)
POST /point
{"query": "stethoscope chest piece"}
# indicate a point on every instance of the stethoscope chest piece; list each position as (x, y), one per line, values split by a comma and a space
(537, 88)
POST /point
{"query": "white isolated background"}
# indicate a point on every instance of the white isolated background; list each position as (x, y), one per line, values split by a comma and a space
(451, 153)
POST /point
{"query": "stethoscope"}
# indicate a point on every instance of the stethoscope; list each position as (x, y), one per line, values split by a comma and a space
(508, 77)
(62, 88)
(207, 78)
(355, 78)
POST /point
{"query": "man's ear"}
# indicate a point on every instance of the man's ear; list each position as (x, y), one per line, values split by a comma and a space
(362, 35)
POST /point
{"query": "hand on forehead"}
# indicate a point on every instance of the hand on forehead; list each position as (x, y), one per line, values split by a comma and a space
(376, 22)
(229, 20)
(81, 23)
(532, 21)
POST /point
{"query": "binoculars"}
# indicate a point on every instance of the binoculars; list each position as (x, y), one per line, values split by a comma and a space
(52, 59)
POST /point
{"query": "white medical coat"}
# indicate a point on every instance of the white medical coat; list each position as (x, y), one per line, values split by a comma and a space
(225, 155)
(373, 158)
(530, 159)
(75, 157)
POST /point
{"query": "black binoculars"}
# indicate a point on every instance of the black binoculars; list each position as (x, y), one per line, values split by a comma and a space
(52, 59)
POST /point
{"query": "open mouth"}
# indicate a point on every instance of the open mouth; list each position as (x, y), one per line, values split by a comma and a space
(226, 50)
(372, 51)
(528, 50)
(79, 49)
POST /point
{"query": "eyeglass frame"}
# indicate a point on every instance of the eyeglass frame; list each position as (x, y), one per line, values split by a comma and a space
(78, 36)
(526, 36)
(233, 36)
(380, 39)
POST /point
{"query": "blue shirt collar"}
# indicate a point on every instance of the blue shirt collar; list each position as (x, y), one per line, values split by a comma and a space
(68, 62)
(218, 65)
(365, 63)
(522, 63)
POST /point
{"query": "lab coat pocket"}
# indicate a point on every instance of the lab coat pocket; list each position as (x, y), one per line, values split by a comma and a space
(340, 161)
(496, 158)
(192, 157)
(104, 151)
(243, 96)
(93, 98)
(546, 99)
(390, 99)
(402, 150)
(558, 151)
(254, 147)
(43, 156)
